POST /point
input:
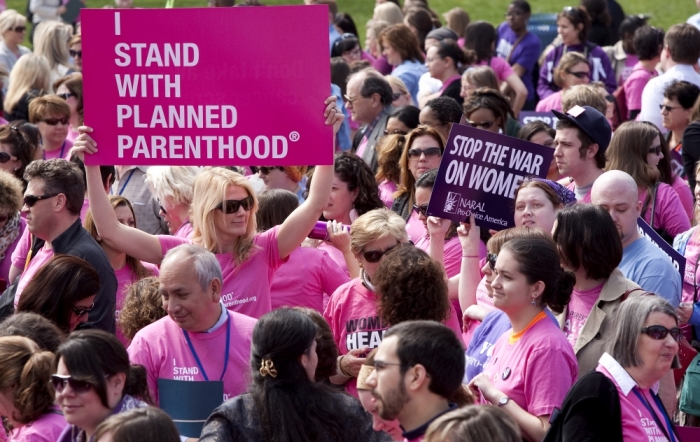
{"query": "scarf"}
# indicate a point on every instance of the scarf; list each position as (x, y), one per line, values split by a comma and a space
(9, 233)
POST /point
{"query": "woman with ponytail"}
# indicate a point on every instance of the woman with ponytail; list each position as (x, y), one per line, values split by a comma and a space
(532, 366)
(26, 396)
(93, 381)
(589, 246)
(283, 402)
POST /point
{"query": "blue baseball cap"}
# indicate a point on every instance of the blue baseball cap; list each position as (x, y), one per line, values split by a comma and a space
(591, 122)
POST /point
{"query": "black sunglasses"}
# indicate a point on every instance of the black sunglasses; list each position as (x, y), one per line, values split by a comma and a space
(422, 210)
(430, 152)
(75, 53)
(486, 125)
(232, 206)
(19, 28)
(59, 384)
(376, 255)
(395, 132)
(81, 311)
(66, 96)
(491, 259)
(266, 170)
(55, 121)
(660, 332)
(5, 157)
(580, 75)
(30, 200)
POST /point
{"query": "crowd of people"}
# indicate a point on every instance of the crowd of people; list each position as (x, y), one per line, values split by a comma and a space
(323, 303)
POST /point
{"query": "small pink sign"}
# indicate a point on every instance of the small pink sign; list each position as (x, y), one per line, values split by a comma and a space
(213, 86)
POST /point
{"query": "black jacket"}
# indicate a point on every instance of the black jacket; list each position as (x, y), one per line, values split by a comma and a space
(76, 241)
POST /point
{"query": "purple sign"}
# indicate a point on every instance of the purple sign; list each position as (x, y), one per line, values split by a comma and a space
(530, 116)
(480, 172)
(676, 258)
(677, 163)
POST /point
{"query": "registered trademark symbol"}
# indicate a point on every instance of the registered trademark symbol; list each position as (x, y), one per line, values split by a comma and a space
(294, 136)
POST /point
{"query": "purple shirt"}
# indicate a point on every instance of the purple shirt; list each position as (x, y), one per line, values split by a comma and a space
(601, 69)
(525, 53)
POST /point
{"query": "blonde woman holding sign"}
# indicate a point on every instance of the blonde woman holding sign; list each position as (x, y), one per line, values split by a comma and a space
(223, 218)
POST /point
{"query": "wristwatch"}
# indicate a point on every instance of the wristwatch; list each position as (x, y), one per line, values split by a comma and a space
(502, 401)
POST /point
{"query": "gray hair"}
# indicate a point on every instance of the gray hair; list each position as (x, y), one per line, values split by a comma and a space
(374, 83)
(628, 324)
(205, 263)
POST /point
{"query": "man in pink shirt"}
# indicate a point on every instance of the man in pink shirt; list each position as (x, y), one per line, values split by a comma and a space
(418, 369)
(199, 340)
(583, 134)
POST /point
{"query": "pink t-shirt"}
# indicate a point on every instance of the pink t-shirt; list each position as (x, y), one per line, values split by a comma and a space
(185, 230)
(482, 300)
(501, 67)
(45, 429)
(336, 255)
(453, 253)
(386, 192)
(634, 86)
(684, 194)
(630, 62)
(670, 214)
(638, 422)
(306, 279)
(42, 257)
(537, 370)
(246, 287)
(580, 307)
(352, 315)
(414, 227)
(692, 249)
(61, 152)
(19, 256)
(551, 102)
(125, 277)
(585, 200)
(6, 261)
(162, 349)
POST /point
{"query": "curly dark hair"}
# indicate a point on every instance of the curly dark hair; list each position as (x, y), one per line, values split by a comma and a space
(143, 306)
(326, 349)
(353, 171)
(410, 285)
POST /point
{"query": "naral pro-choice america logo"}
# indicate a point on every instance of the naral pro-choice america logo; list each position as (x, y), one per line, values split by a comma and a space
(452, 202)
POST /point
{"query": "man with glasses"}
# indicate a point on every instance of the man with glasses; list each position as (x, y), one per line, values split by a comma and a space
(52, 204)
(368, 99)
(583, 135)
(680, 54)
(418, 369)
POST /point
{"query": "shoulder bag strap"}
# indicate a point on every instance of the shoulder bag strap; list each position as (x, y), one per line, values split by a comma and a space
(515, 45)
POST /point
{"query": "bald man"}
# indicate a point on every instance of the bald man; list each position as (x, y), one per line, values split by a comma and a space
(642, 262)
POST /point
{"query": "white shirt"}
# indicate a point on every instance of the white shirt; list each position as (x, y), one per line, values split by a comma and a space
(620, 375)
(653, 94)
(695, 20)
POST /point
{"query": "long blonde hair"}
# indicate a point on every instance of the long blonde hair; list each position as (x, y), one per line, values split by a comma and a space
(210, 188)
(30, 72)
(51, 41)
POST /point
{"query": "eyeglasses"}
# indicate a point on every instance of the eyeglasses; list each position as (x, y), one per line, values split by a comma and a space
(666, 108)
(395, 132)
(19, 29)
(660, 332)
(81, 311)
(423, 210)
(350, 100)
(580, 74)
(5, 157)
(486, 125)
(75, 53)
(232, 206)
(59, 384)
(376, 255)
(65, 96)
(266, 170)
(55, 121)
(381, 365)
(162, 209)
(656, 150)
(30, 200)
(430, 152)
(491, 259)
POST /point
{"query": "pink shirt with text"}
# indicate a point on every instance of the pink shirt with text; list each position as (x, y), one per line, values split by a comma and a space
(306, 279)
(125, 277)
(162, 349)
(45, 429)
(580, 306)
(669, 213)
(246, 287)
(537, 370)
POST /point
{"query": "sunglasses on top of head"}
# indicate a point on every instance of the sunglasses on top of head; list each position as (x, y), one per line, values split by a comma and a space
(232, 206)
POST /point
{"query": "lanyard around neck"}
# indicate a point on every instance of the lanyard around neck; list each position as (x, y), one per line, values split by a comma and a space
(128, 178)
(196, 358)
(669, 434)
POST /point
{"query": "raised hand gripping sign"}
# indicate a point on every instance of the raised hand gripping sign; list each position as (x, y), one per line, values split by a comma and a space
(480, 172)
(213, 86)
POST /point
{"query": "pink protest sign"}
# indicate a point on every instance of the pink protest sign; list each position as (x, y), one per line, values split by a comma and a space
(214, 86)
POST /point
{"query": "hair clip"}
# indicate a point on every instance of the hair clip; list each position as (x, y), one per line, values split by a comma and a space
(267, 367)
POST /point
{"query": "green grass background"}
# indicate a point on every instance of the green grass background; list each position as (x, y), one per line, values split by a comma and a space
(663, 13)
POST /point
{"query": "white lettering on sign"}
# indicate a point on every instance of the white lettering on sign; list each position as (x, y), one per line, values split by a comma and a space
(176, 54)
